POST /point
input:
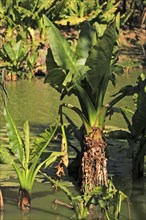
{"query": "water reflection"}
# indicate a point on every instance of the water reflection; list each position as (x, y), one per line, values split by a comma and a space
(42, 205)
(138, 198)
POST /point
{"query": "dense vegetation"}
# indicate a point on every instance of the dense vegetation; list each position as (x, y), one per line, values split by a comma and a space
(22, 33)
(82, 66)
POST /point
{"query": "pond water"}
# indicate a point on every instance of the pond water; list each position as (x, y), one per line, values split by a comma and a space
(38, 103)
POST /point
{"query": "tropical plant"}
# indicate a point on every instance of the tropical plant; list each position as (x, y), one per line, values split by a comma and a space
(85, 72)
(12, 56)
(18, 57)
(19, 19)
(76, 12)
(27, 13)
(30, 63)
(108, 199)
(137, 127)
(26, 157)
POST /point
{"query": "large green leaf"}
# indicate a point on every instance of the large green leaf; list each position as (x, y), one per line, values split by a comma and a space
(16, 142)
(85, 42)
(43, 143)
(9, 51)
(55, 78)
(17, 49)
(63, 55)
(100, 58)
(50, 62)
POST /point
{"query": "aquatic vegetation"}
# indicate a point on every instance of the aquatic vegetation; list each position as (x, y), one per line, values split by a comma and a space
(105, 199)
(85, 71)
(26, 157)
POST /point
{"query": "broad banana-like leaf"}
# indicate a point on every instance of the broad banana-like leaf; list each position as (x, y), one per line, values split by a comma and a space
(50, 62)
(16, 142)
(85, 42)
(17, 49)
(55, 78)
(63, 55)
(100, 58)
(43, 144)
(9, 52)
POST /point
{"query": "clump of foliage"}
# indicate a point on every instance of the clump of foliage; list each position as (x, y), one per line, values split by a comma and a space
(107, 200)
(85, 71)
(21, 36)
(25, 156)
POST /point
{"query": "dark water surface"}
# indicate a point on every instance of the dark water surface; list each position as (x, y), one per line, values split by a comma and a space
(38, 103)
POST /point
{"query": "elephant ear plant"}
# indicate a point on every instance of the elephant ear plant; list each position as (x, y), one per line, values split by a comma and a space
(85, 72)
(26, 158)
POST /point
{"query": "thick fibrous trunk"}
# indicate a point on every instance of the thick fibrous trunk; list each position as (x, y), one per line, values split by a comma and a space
(24, 200)
(94, 162)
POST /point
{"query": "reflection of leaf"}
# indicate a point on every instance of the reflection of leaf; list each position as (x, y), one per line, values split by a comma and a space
(9, 184)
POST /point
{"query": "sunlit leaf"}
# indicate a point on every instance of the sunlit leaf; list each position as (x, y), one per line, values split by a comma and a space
(16, 143)
(100, 58)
